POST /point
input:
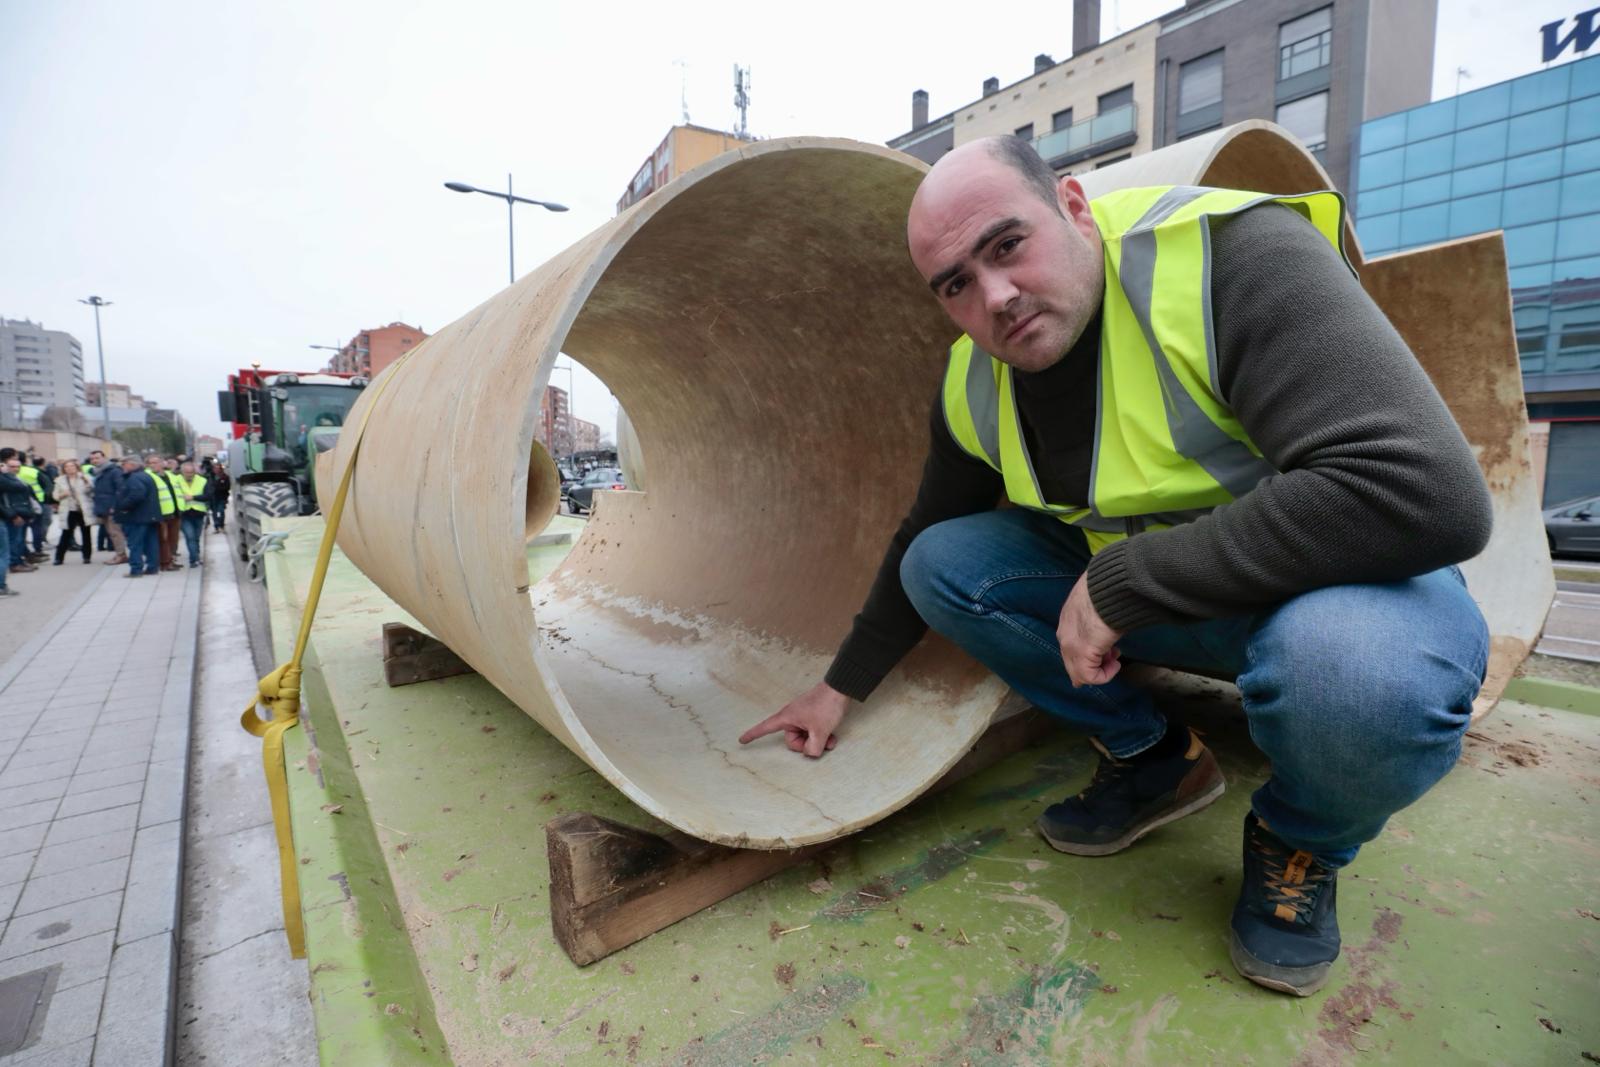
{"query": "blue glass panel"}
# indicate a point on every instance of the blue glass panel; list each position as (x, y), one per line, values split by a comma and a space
(1379, 201)
(1530, 244)
(1585, 77)
(1483, 105)
(1379, 233)
(1481, 144)
(1429, 157)
(1474, 214)
(1547, 88)
(1532, 203)
(1579, 237)
(1580, 194)
(1541, 129)
(1581, 157)
(1478, 179)
(1432, 120)
(1578, 269)
(1427, 191)
(1387, 132)
(1382, 168)
(1534, 168)
(1529, 277)
(1424, 225)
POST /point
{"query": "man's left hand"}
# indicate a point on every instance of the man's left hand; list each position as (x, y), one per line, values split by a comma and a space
(1088, 645)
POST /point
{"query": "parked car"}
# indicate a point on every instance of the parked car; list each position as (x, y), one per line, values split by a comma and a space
(580, 497)
(1574, 527)
(568, 480)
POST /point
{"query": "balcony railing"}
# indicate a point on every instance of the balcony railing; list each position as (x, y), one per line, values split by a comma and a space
(1103, 133)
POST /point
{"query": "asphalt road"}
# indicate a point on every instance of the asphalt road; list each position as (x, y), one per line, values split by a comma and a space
(1573, 629)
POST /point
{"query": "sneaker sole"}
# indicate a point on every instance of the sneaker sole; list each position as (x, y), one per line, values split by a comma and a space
(1296, 981)
(1078, 848)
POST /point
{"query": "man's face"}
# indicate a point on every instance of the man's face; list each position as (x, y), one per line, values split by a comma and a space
(13, 465)
(97, 457)
(129, 466)
(187, 470)
(153, 463)
(1017, 275)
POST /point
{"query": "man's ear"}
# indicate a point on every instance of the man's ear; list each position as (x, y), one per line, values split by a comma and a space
(1074, 205)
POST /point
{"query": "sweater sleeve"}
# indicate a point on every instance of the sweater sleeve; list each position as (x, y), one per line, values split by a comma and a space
(1377, 482)
(953, 484)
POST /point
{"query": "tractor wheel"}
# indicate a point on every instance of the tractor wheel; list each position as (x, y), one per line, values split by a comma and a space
(257, 500)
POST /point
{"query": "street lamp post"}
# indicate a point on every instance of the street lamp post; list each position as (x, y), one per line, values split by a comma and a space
(100, 350)
(511, 202)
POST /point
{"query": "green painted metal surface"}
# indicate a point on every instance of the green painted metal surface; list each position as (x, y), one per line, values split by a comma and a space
(949, 933)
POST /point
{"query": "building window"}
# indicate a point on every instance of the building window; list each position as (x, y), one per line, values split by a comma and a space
(1307, 119)
(1113, 160)
(1306, 44)
(1200, 83)
(1061, 119)
(1116, 98)
(1025, 131)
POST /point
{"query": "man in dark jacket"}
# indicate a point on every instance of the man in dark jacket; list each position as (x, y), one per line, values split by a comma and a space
(1277, 520)
(16, 511)
(139, 512)
(107, 481)
(21, 509)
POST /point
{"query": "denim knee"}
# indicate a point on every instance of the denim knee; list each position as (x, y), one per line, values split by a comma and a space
(924, 572)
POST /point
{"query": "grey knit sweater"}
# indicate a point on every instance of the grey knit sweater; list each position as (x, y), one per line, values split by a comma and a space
(1378, 483)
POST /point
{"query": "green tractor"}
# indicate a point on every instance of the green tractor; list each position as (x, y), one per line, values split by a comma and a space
(282, 420)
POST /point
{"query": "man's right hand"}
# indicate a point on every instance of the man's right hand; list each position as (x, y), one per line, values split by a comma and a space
(808, 721)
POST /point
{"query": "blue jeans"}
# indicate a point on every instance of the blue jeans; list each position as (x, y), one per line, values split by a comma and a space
(194, 524)
(5, 549)
(41, 525)
(18, 536)
(144, 547)
(1358, 694)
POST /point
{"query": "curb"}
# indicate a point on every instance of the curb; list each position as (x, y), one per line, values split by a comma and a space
(1549, 693)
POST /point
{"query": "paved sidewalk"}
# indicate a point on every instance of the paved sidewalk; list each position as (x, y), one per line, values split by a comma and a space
(94, 753)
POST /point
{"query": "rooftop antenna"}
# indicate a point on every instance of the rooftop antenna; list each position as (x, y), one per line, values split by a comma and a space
(741, 98)
(683, 88)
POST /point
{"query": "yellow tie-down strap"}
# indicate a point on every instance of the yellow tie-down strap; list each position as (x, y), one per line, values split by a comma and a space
(279, 694)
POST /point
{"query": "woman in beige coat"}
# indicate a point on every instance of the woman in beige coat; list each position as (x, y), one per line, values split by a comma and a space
(74, 494)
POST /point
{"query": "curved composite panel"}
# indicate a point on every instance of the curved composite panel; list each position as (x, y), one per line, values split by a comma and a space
(777, 355)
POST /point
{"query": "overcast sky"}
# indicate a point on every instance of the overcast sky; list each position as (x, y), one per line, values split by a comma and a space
(245, 179)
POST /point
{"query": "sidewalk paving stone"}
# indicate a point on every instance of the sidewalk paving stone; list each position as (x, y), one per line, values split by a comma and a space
(142, 978)
(77, 827)
(104, 761)
(86, 959)
(28, 814)
(99, 799)
(83, 853)
(53, 890)
(15, 868)
(28, 773)
(24, 839)
(74, 1055)
(54, 789)
(72, 1017)
(84, 781)
(60, 926)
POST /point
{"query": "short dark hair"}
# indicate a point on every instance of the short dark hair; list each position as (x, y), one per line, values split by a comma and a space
(1020, 156)
(6, 453)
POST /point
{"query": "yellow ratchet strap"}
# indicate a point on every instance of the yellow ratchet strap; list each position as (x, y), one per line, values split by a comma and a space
(279, 694)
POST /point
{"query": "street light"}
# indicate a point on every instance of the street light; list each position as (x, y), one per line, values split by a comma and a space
(511, 202)
(100, 349)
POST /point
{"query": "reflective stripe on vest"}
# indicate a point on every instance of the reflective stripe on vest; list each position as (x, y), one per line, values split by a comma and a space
(164, 492)
(30, 475)
(194, 486)
(1167, 448)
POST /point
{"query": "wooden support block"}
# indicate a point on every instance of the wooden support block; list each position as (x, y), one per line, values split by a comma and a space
(611, 884)
(412, 656)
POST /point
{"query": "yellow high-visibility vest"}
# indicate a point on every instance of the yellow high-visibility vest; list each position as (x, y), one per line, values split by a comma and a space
(30, 475)
(194, 486)
(164, 493)
(1167, 448)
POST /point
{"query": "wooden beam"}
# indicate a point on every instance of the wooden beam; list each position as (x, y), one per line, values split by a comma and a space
(411, 656)
(612, 884)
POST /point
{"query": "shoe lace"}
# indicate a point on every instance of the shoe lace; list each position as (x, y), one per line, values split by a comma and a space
(1294, 881)
(1107, 774)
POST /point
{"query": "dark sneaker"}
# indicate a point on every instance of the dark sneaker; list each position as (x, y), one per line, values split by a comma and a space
(1126, 800)
(1285, 930)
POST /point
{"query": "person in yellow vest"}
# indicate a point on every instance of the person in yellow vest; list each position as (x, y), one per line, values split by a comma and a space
(40, 485)
(1221, 457)
(167, 496)
(194, 495)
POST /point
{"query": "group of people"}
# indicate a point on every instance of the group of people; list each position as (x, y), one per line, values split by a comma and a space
(134, 507)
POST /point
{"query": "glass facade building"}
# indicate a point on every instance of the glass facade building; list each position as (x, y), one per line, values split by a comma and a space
(1522, 157)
